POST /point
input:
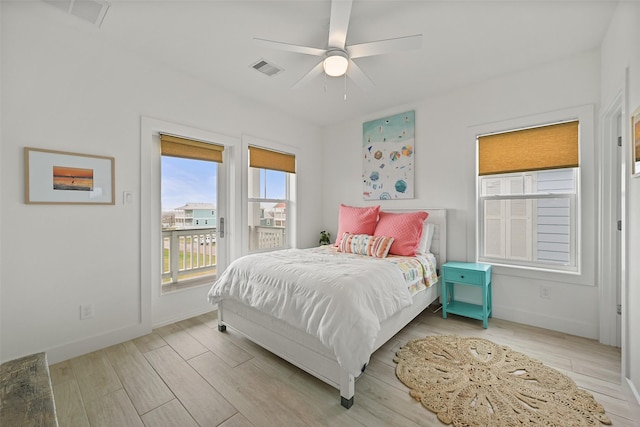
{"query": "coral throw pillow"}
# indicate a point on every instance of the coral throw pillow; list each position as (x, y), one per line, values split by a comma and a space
(405, 228)
(356, 221)
(362, 244)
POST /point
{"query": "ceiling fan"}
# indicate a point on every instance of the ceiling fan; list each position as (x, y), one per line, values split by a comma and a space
(337, 57)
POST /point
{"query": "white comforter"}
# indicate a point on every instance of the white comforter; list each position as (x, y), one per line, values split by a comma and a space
(339, 299)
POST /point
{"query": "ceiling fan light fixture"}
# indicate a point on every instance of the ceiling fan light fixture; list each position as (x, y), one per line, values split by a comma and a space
(336, 63)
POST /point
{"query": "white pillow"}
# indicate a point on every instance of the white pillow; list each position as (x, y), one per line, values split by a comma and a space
(427, 235)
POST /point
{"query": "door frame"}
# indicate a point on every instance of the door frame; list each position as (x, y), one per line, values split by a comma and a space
(158, 309)
(612, 242)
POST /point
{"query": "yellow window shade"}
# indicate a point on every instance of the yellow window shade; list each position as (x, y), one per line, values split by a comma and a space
(175, 146)
(546, 147)
(267, 159)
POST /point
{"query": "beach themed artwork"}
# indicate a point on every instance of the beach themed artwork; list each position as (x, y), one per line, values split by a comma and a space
(58, 177)
(388, 157)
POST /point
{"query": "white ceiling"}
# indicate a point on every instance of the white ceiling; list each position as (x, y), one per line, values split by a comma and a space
(464, 42)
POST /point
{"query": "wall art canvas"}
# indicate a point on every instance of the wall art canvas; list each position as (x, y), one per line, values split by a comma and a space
(388, 157)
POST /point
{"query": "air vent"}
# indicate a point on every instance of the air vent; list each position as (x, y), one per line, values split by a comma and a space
(89, 10)
(266, 68)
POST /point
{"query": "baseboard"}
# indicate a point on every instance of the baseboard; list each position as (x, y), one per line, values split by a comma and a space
(633, 390)
(77, 348)
(184, 316)
(554, 323)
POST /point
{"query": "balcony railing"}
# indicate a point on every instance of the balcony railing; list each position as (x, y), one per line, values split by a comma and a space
(188, 255)
(263, 237)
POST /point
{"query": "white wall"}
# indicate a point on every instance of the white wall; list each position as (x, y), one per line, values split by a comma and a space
(445, 177)
(620, 53)
(64, 88)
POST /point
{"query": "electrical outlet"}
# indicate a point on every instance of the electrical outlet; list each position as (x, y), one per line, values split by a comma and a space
(86, 311)
(545, 292)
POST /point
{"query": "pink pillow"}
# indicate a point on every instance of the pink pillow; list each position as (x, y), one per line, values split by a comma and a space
(405, 228)
(356, 221)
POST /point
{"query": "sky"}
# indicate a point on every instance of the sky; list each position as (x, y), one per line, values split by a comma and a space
(195, 181)
(188, 181)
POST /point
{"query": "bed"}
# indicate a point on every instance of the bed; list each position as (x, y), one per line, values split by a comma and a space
(334, 354)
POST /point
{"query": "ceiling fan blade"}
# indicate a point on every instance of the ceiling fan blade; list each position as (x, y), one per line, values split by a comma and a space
(339, 22)
(315, 72)
(290, 47)
(385, 46)
(359, 77)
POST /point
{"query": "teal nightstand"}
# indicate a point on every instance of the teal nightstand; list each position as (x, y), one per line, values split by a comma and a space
(466, 273)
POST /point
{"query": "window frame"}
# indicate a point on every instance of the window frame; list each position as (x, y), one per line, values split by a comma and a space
(156, 308)
(292, 194)
(287, 203)
(587, 229)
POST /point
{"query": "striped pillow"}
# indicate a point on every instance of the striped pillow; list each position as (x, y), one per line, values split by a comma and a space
(363, 244)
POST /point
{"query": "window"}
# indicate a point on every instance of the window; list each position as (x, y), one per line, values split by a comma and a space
(188, 196)
(528, 197)
(271, 178)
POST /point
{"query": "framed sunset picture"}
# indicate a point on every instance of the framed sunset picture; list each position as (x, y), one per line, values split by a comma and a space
(58, 177)
(635, 143)
(77, 179)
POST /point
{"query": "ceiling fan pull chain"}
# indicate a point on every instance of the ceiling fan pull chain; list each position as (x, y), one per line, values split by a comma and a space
(345, 87)
(325, 83)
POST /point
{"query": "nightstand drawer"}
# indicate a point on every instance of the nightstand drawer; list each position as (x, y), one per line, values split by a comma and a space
(463, 276)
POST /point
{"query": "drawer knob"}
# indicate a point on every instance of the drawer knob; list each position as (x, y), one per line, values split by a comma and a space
(462, 276)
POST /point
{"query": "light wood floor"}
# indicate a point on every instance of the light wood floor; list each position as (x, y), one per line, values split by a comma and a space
(189, 374)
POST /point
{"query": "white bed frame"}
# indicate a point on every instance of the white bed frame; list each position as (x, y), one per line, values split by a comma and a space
(306, 351)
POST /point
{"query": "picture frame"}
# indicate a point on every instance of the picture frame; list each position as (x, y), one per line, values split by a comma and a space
(635, 143)
(64, 178)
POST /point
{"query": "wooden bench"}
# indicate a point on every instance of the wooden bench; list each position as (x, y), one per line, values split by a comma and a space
(26, 396)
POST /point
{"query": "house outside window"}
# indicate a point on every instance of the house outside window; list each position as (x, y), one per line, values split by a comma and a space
(192, 214)
(528, 201)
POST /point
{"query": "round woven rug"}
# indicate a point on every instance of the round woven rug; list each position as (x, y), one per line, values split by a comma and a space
(475, 382)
